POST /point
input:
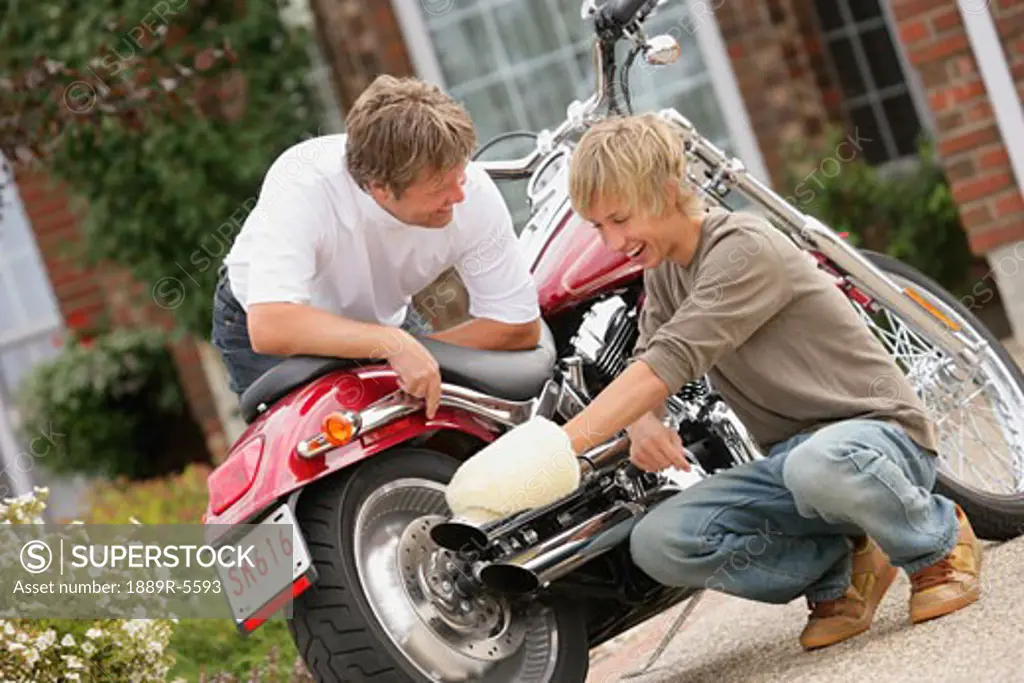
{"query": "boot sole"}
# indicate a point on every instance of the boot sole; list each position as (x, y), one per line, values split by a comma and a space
(881, 588)
(941, 609)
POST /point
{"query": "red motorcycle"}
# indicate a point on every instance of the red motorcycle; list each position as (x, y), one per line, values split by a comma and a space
(342, 476)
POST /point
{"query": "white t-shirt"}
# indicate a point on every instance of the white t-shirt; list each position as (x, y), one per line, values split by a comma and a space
(314, 237)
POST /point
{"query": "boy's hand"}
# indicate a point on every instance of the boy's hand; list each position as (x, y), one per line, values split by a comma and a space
(655, 447)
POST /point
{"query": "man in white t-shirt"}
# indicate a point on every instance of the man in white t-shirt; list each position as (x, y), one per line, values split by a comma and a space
(347, 228)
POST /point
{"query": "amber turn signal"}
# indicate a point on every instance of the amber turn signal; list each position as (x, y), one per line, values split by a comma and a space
(338, 429)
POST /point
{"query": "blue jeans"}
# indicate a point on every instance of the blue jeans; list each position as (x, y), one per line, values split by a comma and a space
(778, 528)
(230, 336)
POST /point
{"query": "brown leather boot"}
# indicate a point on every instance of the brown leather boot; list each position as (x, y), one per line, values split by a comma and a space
(953, 582)
(833, 621)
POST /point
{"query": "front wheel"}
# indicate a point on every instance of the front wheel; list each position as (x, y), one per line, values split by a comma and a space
(385, 608)
(978, 412)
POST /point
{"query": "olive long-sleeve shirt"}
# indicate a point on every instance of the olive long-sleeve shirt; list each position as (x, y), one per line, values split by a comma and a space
(779, 341)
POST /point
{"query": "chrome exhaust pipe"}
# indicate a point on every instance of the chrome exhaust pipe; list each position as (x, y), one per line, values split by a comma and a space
(463, 535)
(545, 562)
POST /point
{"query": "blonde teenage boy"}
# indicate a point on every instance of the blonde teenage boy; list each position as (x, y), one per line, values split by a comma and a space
(844, 496)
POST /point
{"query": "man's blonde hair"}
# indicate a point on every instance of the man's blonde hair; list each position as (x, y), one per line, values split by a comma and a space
(635, 160)
(399, 127)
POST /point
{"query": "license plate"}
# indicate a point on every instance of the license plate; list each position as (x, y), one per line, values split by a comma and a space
(279, 556)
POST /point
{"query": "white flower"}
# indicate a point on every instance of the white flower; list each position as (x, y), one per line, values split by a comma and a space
(72, 677)
(32, 655)
(46, 640)
(133, 627)
(15, 647)
(88, 648)
(93, 633)
(73, 662)
(68, 641)
(22, 637)
(8, 629)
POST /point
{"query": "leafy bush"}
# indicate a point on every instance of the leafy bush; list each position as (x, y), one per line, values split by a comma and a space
(175, 499)
(908, 213)
(203, 96)
(78, 650)
(111, 407)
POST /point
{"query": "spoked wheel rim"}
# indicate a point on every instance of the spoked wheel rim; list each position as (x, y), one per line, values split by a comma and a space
(408, 583)
(978, 412)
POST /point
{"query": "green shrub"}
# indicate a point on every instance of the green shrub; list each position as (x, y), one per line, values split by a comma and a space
(171, 172)
(907, 212)
(175, 499)
(111, 407)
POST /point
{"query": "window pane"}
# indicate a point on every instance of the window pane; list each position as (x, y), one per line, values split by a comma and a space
(10, 319)
(829, 14)
(464, 50)
(864, 9)
(846, 65)
(14, 231)
(527, 30)
(15, 365)
(491, 110)
(543, 93)
(29, 282)
(882, 58)
(578, 29)
(904, 122)
(868, 132)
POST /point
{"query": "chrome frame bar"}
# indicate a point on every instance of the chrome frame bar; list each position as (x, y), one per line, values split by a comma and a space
(398, 404)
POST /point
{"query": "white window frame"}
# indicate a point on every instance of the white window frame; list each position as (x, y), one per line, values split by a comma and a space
(709, 38)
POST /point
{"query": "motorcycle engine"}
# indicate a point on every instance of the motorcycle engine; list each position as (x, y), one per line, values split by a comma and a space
(603, 345)
(604, 341)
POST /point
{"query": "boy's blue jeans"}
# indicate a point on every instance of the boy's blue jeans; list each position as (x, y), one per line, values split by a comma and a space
(778, 528)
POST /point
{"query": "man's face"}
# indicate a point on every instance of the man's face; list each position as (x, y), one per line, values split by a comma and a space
(647, 240)
(429, 201)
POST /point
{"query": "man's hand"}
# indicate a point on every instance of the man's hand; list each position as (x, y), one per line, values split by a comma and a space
(655, 447)
(418, 372)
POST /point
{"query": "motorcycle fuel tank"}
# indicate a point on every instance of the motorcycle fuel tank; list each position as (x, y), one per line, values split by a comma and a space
(568, 258)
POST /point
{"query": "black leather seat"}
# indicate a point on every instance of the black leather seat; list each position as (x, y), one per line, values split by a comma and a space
(513, 375)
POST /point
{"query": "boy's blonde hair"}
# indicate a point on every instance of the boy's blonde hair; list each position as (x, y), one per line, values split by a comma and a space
(635, 160)
(400, 126)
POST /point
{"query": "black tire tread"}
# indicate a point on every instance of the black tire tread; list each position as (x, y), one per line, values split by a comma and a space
(327, 614)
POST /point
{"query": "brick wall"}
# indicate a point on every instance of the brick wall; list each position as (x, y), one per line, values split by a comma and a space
(96, 297)
(79, 292)
(777, 56)
(972, 150)
(360, 40)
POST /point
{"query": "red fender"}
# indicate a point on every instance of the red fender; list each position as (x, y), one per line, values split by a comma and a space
(263, 461)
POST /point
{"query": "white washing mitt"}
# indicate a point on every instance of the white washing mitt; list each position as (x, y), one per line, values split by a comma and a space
(530, 466)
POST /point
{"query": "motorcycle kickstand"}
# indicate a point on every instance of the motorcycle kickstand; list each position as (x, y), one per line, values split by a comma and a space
(669, 635)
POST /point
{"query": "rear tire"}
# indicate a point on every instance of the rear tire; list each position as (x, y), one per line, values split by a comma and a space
(994, 517)
(334, 626)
